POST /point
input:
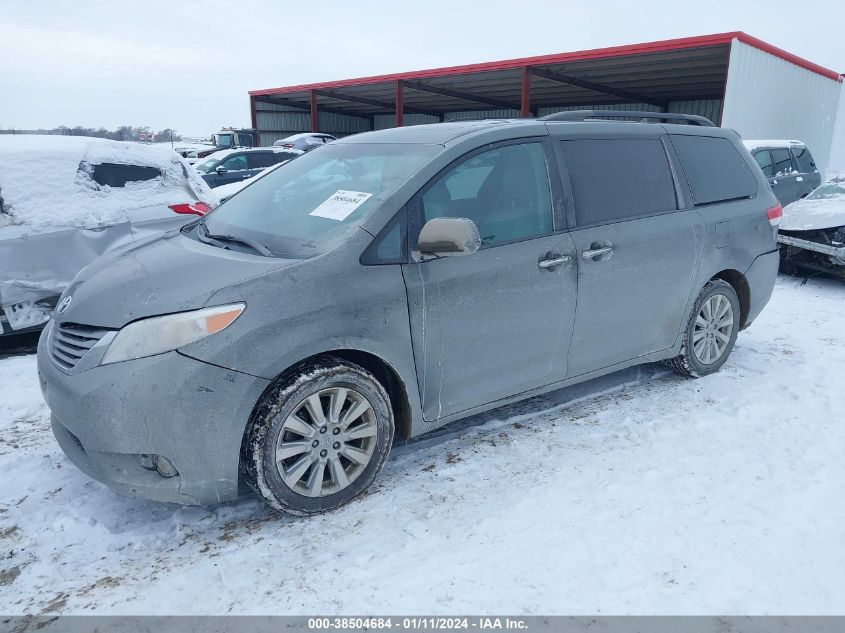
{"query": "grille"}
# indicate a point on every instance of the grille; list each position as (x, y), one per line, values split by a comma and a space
(69, 342)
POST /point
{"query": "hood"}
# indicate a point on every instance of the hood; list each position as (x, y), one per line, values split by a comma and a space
(813, 215)
(165, 274)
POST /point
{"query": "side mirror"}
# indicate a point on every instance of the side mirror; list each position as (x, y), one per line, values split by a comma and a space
(442, 237)
(220, 169)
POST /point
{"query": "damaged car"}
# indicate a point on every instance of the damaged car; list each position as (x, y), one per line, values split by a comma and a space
(64, 201)
(812, 232)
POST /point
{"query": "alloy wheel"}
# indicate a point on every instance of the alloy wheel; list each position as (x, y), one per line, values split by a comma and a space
(714, 325)
(326, 442)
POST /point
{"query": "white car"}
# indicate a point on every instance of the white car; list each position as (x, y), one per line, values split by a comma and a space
(812, 231)
(305, 141)
(66, 200)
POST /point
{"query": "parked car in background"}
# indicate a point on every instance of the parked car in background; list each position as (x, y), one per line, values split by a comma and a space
(227, 138)
(788, 166)
(305, 141)
(812, 233)
(395, 281)
(66, 200)
(228, 166)
(224, 192)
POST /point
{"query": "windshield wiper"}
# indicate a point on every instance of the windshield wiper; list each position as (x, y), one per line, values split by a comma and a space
(217, 240)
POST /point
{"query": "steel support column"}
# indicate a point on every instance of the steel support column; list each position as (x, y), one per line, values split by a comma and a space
(398, 104)
(315, 120)
(525, 99)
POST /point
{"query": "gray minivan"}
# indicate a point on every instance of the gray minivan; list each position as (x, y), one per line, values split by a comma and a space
(395, 281)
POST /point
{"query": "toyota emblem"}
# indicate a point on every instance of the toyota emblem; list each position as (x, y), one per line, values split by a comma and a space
(63, 305)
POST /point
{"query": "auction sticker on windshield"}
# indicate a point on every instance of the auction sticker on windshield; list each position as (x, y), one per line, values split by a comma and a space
(341, 204)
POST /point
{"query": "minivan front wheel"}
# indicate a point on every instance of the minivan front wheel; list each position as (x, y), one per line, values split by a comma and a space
(711, 331)
(318, 438)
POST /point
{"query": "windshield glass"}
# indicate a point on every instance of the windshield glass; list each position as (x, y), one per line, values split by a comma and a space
(224, 141)
(829, 190)
(312, 203)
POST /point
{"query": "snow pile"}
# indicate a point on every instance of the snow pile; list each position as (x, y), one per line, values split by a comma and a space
(44, 182)
(638, 493)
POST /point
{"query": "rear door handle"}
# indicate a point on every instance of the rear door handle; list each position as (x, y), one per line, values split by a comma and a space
(591, 254)
(554, 261)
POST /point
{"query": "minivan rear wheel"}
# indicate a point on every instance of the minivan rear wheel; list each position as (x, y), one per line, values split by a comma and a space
(711, 331)
(318, 438)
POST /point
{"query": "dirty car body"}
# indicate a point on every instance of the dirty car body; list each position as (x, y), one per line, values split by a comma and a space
(67, 200)
(577, 275)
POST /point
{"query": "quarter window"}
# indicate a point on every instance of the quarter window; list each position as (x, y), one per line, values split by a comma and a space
(618, 179)
(505, 191)
(715, 169)
(804, 160)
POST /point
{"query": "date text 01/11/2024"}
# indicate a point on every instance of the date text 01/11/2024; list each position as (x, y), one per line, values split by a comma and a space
(418, 623)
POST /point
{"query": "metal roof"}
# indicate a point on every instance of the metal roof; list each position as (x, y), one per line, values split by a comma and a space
(651, 73)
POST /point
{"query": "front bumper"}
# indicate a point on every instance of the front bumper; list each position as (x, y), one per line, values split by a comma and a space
(106, 418)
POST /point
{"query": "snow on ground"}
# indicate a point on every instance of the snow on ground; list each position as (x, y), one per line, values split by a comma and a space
(638, 493)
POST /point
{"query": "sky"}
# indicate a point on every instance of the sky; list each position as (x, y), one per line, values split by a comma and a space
(189, 64)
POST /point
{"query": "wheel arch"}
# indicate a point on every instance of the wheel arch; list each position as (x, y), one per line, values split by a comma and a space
(383, 371)
(740, 285)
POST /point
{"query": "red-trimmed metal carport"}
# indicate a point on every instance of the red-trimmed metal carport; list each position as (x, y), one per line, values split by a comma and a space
(687, 75)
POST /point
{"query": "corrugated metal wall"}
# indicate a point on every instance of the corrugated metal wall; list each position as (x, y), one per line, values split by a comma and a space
(836, 166)
(384, 121)
(710, 108)
(276, 121)
(613, 106)
(768, 97)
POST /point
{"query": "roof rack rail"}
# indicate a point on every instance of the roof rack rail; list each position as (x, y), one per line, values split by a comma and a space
(642, 115)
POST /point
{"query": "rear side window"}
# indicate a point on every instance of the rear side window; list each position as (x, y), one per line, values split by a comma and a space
(782, 162)
(114, 175)
(715, 169)
(281, 157)
(804, 160)
(618, 179)
(260, 160)
(764, 159)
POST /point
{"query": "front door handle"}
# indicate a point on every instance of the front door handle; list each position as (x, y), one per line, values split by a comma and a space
(593, 253)
(553, 261)
(800, 179)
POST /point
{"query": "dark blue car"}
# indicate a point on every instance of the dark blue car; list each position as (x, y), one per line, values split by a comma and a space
(234, 165)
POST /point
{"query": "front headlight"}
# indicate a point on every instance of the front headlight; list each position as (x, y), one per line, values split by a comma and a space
(157, 335)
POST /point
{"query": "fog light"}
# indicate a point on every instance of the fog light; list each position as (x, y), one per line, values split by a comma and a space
(146, 461)
(164, 466)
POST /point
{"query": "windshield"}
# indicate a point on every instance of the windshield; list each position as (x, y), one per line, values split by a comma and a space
(223, 141)
(829, 190)
(312, 203)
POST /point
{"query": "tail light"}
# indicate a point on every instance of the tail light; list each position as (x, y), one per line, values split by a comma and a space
(775, 214)
(288, 145)
(191, 208)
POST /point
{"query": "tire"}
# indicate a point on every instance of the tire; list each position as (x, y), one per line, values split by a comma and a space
(700, 359)
(331, 425)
